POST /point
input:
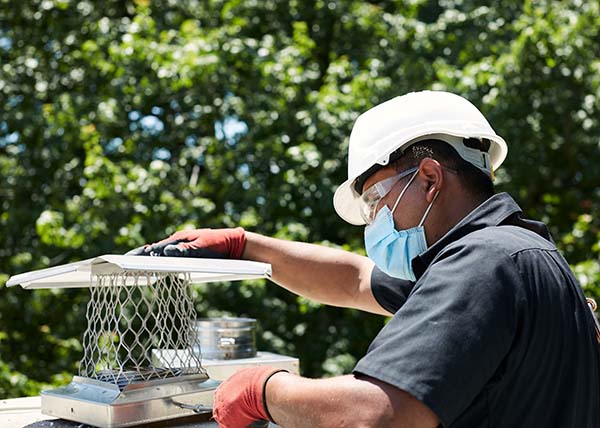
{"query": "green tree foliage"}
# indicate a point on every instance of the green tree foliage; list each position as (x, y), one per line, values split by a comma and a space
(122, 121)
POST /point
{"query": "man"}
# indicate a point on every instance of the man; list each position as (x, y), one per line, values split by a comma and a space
(489, 325)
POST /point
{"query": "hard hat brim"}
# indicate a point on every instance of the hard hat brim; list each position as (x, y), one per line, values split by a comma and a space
(347, 203)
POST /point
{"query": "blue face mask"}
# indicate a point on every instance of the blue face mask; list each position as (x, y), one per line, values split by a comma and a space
(393, 250)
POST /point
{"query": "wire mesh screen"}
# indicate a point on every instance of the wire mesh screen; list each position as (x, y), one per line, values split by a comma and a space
(133, 315)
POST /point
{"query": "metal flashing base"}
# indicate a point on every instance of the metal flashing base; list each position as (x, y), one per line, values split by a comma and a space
(104, 405)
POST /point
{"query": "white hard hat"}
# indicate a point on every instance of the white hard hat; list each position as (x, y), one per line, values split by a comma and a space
(405, 120)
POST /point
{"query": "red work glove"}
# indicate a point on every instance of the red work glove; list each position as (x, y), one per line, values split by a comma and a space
(202, 243)
(240, 400)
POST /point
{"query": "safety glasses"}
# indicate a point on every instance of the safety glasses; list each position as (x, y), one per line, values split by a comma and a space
(371, 197)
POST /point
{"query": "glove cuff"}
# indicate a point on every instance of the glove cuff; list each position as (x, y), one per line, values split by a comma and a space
(237, 242)
(264, 394)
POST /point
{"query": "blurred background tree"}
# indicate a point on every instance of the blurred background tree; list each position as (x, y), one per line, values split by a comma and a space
(124, 120)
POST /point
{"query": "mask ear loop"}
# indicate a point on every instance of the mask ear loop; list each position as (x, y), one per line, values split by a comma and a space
(428, 208)
(404, 190)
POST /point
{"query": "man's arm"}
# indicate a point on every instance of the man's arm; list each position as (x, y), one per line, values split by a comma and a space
(327, 275)
(345, 401)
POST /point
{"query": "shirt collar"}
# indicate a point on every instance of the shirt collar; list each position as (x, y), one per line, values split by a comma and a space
(497, 210)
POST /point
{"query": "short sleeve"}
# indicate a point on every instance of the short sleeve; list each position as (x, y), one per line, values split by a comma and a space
(390, 292)
(450, 336)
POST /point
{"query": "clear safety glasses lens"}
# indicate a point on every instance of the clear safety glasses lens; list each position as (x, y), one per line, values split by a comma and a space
(369, 200)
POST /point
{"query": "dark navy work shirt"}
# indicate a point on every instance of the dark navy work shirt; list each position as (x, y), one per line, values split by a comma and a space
(495, 332)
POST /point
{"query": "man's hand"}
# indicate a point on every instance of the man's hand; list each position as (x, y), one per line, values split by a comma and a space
(202, 243)
(240, 400)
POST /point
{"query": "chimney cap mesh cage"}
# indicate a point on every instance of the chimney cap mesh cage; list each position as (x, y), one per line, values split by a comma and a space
(132, 315)
(140, 311)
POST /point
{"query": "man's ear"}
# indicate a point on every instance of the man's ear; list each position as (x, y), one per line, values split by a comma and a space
(432, 177)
